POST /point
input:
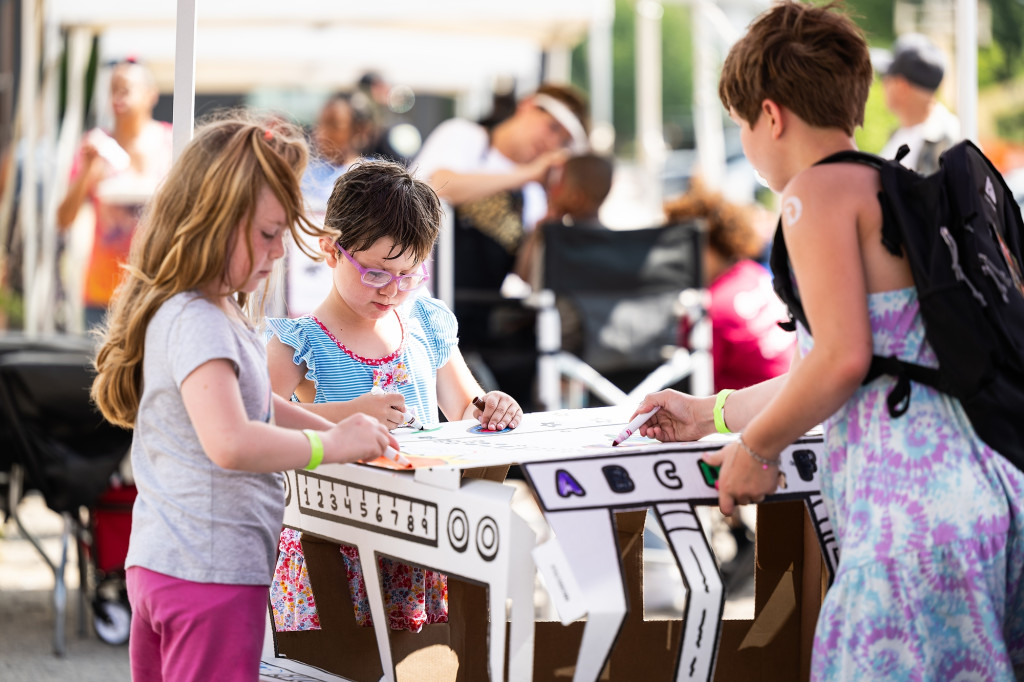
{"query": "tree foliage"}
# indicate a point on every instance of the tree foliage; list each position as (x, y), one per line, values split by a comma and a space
(875, 18)
(879, 122)
(1007, 20)
(676, 74)
(998, 63)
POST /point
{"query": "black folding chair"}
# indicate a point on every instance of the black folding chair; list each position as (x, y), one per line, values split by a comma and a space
(616, 298)
(57, 443)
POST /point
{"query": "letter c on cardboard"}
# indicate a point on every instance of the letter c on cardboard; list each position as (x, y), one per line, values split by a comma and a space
(665, 472)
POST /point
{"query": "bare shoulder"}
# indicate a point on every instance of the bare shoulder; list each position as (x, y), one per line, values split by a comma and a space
(830, 192)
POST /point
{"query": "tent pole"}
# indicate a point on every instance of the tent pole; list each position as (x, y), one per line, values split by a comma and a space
(650, 138)
(967, 67)
(79, 47)
(43, 296)
(28, 207)
(599, 56)
(708, 125)
(183, 116)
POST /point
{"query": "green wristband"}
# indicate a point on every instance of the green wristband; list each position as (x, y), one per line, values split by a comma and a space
(316, 447)
(719, 410)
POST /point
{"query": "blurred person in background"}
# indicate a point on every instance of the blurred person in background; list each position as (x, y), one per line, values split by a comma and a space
(747, 345)
(117, 171)
(577, 188)
(492, 177)
(911, 74)
(575, 191)
(392, 137)
(341, 134)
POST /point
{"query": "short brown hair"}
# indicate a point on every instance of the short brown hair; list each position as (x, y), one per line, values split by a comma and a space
(810, 59)
(591, 174)
(376, 199)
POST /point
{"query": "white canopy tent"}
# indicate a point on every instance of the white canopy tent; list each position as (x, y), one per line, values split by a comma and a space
(241, 59)
(448, 47)
(453, 47)
(458, 47)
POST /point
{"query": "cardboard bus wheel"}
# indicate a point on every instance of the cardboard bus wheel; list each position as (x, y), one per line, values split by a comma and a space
(113, 622)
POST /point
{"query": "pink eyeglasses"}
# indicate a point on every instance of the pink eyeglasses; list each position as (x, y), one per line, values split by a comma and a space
(378, 279)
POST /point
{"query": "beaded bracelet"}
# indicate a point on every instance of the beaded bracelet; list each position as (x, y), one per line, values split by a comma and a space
(763, 461)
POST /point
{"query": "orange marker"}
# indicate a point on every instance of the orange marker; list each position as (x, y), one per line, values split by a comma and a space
(397, 457)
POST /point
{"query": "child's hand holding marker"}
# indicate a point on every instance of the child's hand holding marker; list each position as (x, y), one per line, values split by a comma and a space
(390, 452)
(412, 421)
(683, 418)
(497, 411)
(408, 418)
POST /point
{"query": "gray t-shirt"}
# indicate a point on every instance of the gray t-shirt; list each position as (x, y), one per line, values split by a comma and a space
(192, 519)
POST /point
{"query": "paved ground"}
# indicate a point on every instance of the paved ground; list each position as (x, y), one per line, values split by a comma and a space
(27, 610)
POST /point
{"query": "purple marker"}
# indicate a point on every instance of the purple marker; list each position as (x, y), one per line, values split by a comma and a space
(631, 428)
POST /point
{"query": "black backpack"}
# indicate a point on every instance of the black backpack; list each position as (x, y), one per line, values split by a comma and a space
(961, 230)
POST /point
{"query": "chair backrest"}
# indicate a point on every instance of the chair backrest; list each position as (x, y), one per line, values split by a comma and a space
(14, 342)
(66, 447)
(623, 285)
(653, 259)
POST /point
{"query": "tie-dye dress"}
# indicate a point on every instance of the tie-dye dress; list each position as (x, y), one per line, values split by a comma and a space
(930, 522)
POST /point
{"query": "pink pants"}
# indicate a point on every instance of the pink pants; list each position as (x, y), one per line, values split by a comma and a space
(194, 632)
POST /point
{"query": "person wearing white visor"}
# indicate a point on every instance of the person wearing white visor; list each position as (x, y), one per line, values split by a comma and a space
(492, 174)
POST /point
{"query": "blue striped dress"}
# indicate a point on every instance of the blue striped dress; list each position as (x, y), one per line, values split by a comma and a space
(430, 332)
(413, 596)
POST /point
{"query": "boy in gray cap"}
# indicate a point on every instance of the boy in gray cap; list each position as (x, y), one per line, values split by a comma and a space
(911, 74)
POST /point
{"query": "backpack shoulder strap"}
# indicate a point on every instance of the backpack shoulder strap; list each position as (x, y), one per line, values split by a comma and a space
(853, 156)
(782, 281)
(899, 397)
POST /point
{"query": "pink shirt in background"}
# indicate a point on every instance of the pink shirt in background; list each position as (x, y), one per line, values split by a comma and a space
(747, 345)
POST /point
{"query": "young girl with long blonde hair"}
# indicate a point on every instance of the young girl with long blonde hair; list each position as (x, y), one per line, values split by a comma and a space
(181, 363)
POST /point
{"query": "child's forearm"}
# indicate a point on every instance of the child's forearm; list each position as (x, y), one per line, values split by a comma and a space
(298, 415)
(259, 448)
(332, 412)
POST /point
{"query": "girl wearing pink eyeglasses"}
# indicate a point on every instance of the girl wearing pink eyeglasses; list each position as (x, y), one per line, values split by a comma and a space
(377, 345)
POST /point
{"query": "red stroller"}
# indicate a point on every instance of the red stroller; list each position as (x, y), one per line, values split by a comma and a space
(103, 545)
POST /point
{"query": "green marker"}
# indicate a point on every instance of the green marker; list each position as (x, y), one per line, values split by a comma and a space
(709, 472)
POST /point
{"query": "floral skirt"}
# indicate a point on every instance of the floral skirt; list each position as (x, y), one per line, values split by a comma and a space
(291, 595)
(413, 596)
